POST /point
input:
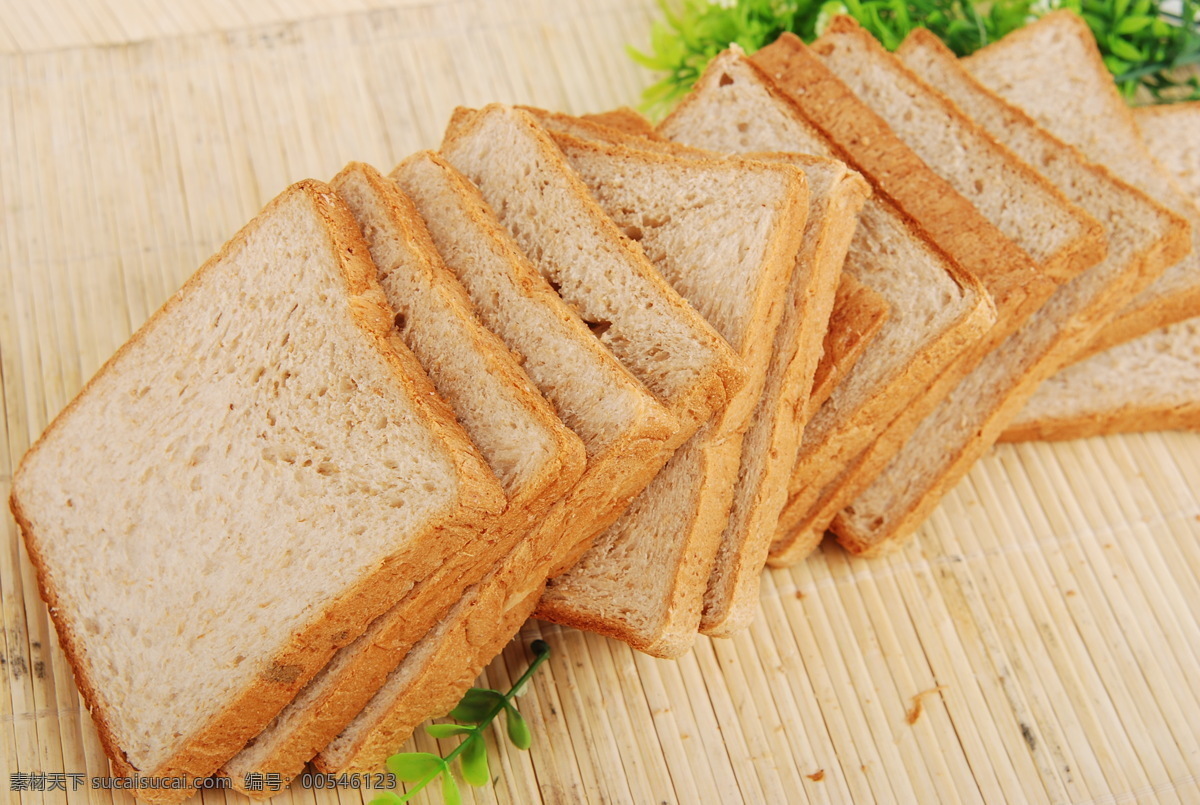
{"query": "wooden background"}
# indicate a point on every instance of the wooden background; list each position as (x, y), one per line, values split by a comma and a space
(1048, 610)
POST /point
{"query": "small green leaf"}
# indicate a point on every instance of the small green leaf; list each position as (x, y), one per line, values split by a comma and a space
(1123, 50)
(447, 730)
(476, 705)
(1133, 25)
(474, 761)
(518, 730)
(412, 767)
(450, 794)
(387, 798)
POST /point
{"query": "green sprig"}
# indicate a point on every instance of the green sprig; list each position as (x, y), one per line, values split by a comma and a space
(477, 710)
(1143, 45)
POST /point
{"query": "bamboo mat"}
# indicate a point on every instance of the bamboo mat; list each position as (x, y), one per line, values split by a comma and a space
(1037, 642)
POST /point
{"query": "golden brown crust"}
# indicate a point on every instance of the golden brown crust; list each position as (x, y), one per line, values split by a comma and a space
(624, 120)
(1128, 419)
(858, 315)
(873, 149)
(1086, 249)
(479, 497)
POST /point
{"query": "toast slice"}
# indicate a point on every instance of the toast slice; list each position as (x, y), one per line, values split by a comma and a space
(898, 123)
(1082, 107)
(532, 453)
(668, 346)
(769, 447)
(857, 317)
(1144, 239)
(1150, 382)
(726, 234)
(937, 308)
(836, 196)
(623, 429)
(152, 566)
(631, 301)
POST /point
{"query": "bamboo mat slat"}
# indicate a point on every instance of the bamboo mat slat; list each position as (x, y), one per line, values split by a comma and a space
(1039, 641)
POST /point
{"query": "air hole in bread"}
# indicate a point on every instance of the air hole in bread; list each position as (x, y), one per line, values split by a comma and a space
(599, 328)
(401, 321)
(633, 233)
(726, 79)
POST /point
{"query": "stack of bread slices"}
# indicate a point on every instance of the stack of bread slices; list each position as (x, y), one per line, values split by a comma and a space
(599, 373)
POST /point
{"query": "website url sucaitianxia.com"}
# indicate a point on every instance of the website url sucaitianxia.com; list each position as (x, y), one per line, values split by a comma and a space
(68, 781)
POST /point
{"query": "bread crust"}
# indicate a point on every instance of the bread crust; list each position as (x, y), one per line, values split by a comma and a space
(857, 316)
(624, 120)
(301, 656)
(1130, 418)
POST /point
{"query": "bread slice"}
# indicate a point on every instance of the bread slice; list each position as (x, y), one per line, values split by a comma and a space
(836, 193)
(1144, 238)
(1081, 106)
(1150, 382)
(266, 414)
(898, 123)
(1172, 133)
(661, 339)
(857, 317)
(533, 454)
(937, 309)
(726, 235)
(625, 120)
(632, 301)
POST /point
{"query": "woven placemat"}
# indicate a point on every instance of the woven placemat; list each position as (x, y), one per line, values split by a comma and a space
(1037, 642)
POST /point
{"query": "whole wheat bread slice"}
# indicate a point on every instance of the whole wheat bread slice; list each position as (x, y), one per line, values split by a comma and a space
(266, 414)
(836, 195)
(726, 235)
(1052, 71)
(937, 309)
(533, 454)
(1144, 239)
(1150, 382)
(632, 301)
(769, 447)
(1035, 239)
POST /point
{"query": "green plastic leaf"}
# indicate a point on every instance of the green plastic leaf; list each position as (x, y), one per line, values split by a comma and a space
(448, 730)
(450, 794)
(387, 798)
(475, 762)
(476, 705)
(413, 767)
(518, 730)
